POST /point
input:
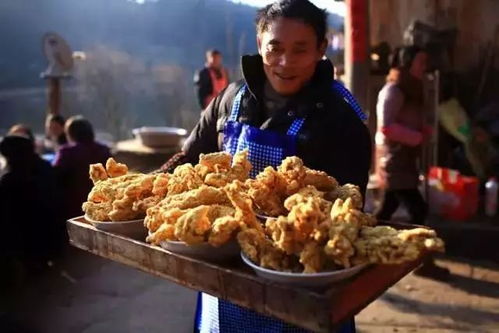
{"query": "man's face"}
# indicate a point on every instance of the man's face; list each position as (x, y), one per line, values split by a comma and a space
(290, 54)
(214, 60)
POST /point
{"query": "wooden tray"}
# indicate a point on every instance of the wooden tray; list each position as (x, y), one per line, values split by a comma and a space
(233, 281)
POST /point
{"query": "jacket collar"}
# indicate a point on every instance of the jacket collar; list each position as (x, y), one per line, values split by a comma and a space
(320, 84)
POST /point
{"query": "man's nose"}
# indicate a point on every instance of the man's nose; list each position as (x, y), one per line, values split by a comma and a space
(285, 59)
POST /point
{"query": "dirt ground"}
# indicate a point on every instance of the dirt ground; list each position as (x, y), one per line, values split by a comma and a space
(89, 294)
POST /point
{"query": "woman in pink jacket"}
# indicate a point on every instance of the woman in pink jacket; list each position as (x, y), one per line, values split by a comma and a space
(400, 134)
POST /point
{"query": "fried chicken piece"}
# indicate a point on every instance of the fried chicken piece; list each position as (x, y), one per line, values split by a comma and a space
(345, 211)
(115, 169)
(268, 192)
(320, 180)
(347, 191)
(183, 179)
(216, 162)
(193, 226)
(304, 194)
(386, 245)
(97, 173)
(223, 229)
(305, 217)
(97, 211)
(123, 210)
(243, 204)
(284, 235)
(157, 217)
(346, 223)
(261, 251)
(160, 185)
(312, 258)
(241, 167)
(204, 195)
(166, 232)
(293, 171)
(142, 205)
(339, 247)
(220, 176)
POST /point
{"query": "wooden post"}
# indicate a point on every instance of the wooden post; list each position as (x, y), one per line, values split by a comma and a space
(54, 95)
(357, 50)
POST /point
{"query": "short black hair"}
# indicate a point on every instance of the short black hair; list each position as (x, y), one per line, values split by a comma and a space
(404, 56)
(213, 52)
(56, 118)
(80, 130)
(22, 129)
(302, 10)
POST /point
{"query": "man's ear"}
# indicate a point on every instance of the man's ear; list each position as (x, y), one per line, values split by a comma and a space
(259, 44)
(323, 48)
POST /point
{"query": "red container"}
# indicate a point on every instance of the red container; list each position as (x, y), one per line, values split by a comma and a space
(462, 190)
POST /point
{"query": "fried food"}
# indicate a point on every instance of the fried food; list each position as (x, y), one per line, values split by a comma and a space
(260, 250)
(115, 169)
(223, 229)
(243, 204)
(222, 173)
(97, 172)
(347, 191)
(193, 226)
(386, 245)
(320, 180)
(268, 192)
(119, 196)
(312, 257)
(294, 173)
(183, 179)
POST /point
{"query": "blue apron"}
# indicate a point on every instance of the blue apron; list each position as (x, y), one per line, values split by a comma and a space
(265, 148)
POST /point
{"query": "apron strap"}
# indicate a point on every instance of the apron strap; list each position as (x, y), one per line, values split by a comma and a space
(237, 104)
(348, 97)
(295, 126)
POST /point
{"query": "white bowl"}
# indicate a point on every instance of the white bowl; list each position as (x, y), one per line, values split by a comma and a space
(132, 228)
(204, 251)
(307, 280)
(160, 136)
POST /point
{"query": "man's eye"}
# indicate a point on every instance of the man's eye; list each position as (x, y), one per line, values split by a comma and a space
(273, 49)
(300, 51)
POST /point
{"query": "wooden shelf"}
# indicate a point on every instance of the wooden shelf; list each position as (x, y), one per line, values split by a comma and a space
(318, 311)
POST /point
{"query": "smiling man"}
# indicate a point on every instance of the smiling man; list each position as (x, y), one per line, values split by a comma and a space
(287, 104)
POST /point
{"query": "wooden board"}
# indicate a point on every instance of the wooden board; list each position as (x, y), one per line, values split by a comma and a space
(318, 311)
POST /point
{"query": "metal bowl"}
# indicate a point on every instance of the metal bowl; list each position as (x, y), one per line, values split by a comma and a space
(307, 280)
(204, 251)
(160, 136)
(133, 228)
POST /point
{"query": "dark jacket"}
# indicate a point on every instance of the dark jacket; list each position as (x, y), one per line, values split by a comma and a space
(29, 204)
(204, 86)
(333, 139)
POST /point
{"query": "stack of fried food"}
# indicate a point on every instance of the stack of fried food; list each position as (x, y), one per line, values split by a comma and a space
(118, 195)
(314, 225)
(204, 203)
(325, 229)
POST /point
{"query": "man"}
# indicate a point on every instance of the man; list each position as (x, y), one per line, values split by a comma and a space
(212, 79)
(72, 162)
(288, 101)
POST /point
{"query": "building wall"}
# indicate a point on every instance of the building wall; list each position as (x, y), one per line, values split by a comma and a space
(476, 20)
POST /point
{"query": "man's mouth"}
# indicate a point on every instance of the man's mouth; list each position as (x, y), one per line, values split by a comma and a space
(285, 77)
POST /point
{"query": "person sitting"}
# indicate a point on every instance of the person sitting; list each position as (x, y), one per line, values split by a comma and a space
(29, 214)
(22, 129)
(72, 162)
(54, 131)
